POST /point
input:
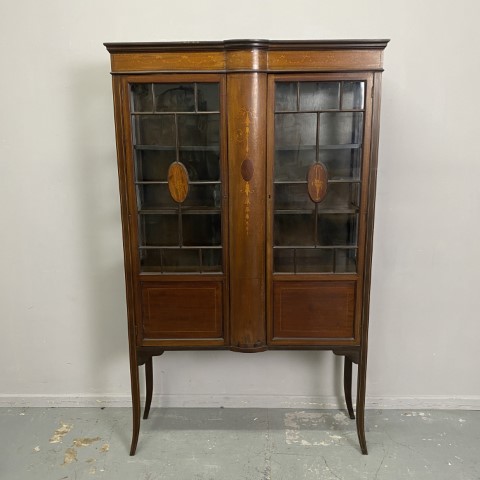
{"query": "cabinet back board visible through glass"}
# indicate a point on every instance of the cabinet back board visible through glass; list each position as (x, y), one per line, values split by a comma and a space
(177, 158)
(317, 175)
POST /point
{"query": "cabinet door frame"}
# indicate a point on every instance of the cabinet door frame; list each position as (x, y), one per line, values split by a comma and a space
(126, 169)
(366, 161)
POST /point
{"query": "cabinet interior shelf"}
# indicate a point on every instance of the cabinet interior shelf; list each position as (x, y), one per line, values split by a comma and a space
(180, 247)
(173, 148)
(326, 110)
(314, 247)
(164, 182)
(352, 209)
(339, 146)
(304, 182)
(202, 112)
(184, 210)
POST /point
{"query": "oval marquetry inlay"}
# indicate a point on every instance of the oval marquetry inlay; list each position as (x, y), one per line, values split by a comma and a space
(247, 169)
(317, 182)
(178, 181)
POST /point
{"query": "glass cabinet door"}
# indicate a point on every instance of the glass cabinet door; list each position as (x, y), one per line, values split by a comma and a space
(176, 150)
(318, 142)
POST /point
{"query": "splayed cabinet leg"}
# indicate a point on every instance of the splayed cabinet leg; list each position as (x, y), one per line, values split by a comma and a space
(142, 356)
(361, 389)
(347, 386)
(149, 386)
(135, 408)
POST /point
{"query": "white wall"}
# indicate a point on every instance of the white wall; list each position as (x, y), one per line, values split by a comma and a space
(62, 301)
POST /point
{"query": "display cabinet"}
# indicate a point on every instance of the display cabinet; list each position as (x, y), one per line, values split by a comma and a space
(247, 183)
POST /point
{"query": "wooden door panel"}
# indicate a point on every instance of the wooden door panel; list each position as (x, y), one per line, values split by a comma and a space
(183, 310)
(313, 310)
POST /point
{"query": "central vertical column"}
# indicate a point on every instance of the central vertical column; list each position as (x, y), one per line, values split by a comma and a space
(246, 109)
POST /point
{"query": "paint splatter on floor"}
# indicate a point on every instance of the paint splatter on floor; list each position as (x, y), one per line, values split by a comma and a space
(60, 433)
(84, 442)
(313, 428)
(266, 444)
(70, 456)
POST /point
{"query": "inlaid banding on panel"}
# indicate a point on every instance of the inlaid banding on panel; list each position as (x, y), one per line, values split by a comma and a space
(325, 60)
(168, 61)
(183, 310)
(314, 310)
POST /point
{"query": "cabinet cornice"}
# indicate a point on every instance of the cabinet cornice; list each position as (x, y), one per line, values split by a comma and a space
(247, 55)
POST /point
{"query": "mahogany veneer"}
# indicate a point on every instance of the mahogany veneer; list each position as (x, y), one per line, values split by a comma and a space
(247, 174)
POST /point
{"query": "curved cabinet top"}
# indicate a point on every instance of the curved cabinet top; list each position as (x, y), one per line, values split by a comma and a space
(247, 56)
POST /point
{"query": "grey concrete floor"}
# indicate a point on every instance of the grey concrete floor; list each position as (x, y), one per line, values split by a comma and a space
(234, 444)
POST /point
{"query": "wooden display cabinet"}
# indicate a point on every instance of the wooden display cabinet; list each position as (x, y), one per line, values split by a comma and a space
(247, 182)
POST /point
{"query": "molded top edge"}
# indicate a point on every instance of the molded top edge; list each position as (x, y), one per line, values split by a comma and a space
(142, 47)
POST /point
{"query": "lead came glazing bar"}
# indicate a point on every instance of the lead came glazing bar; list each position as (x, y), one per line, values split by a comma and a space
(335, 216)
(177, 151)
(195, 94)
(161, 112)
(180, 226)
(298, 96)
(340, 100)
(286, 112)
(153, 98)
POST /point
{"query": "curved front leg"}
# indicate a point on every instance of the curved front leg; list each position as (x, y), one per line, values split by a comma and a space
(135, 384)
(149, 386)
(361, 389)
(347, 386)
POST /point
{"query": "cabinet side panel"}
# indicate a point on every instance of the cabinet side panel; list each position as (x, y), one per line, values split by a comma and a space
(118, 98)
(372, 187)
(246, 106)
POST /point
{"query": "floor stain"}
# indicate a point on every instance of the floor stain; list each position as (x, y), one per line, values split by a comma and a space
(341, 419)
(321, 447)
(84, 442)
(299, 424)
(60, 433)
(70, 456)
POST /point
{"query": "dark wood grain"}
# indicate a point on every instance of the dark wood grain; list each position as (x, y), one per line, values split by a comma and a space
(347, 386)
(314, 310)
(244, 44)
(247, 307)
(182, 310)
(148, 387)
(248, 55)
(246, 105)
